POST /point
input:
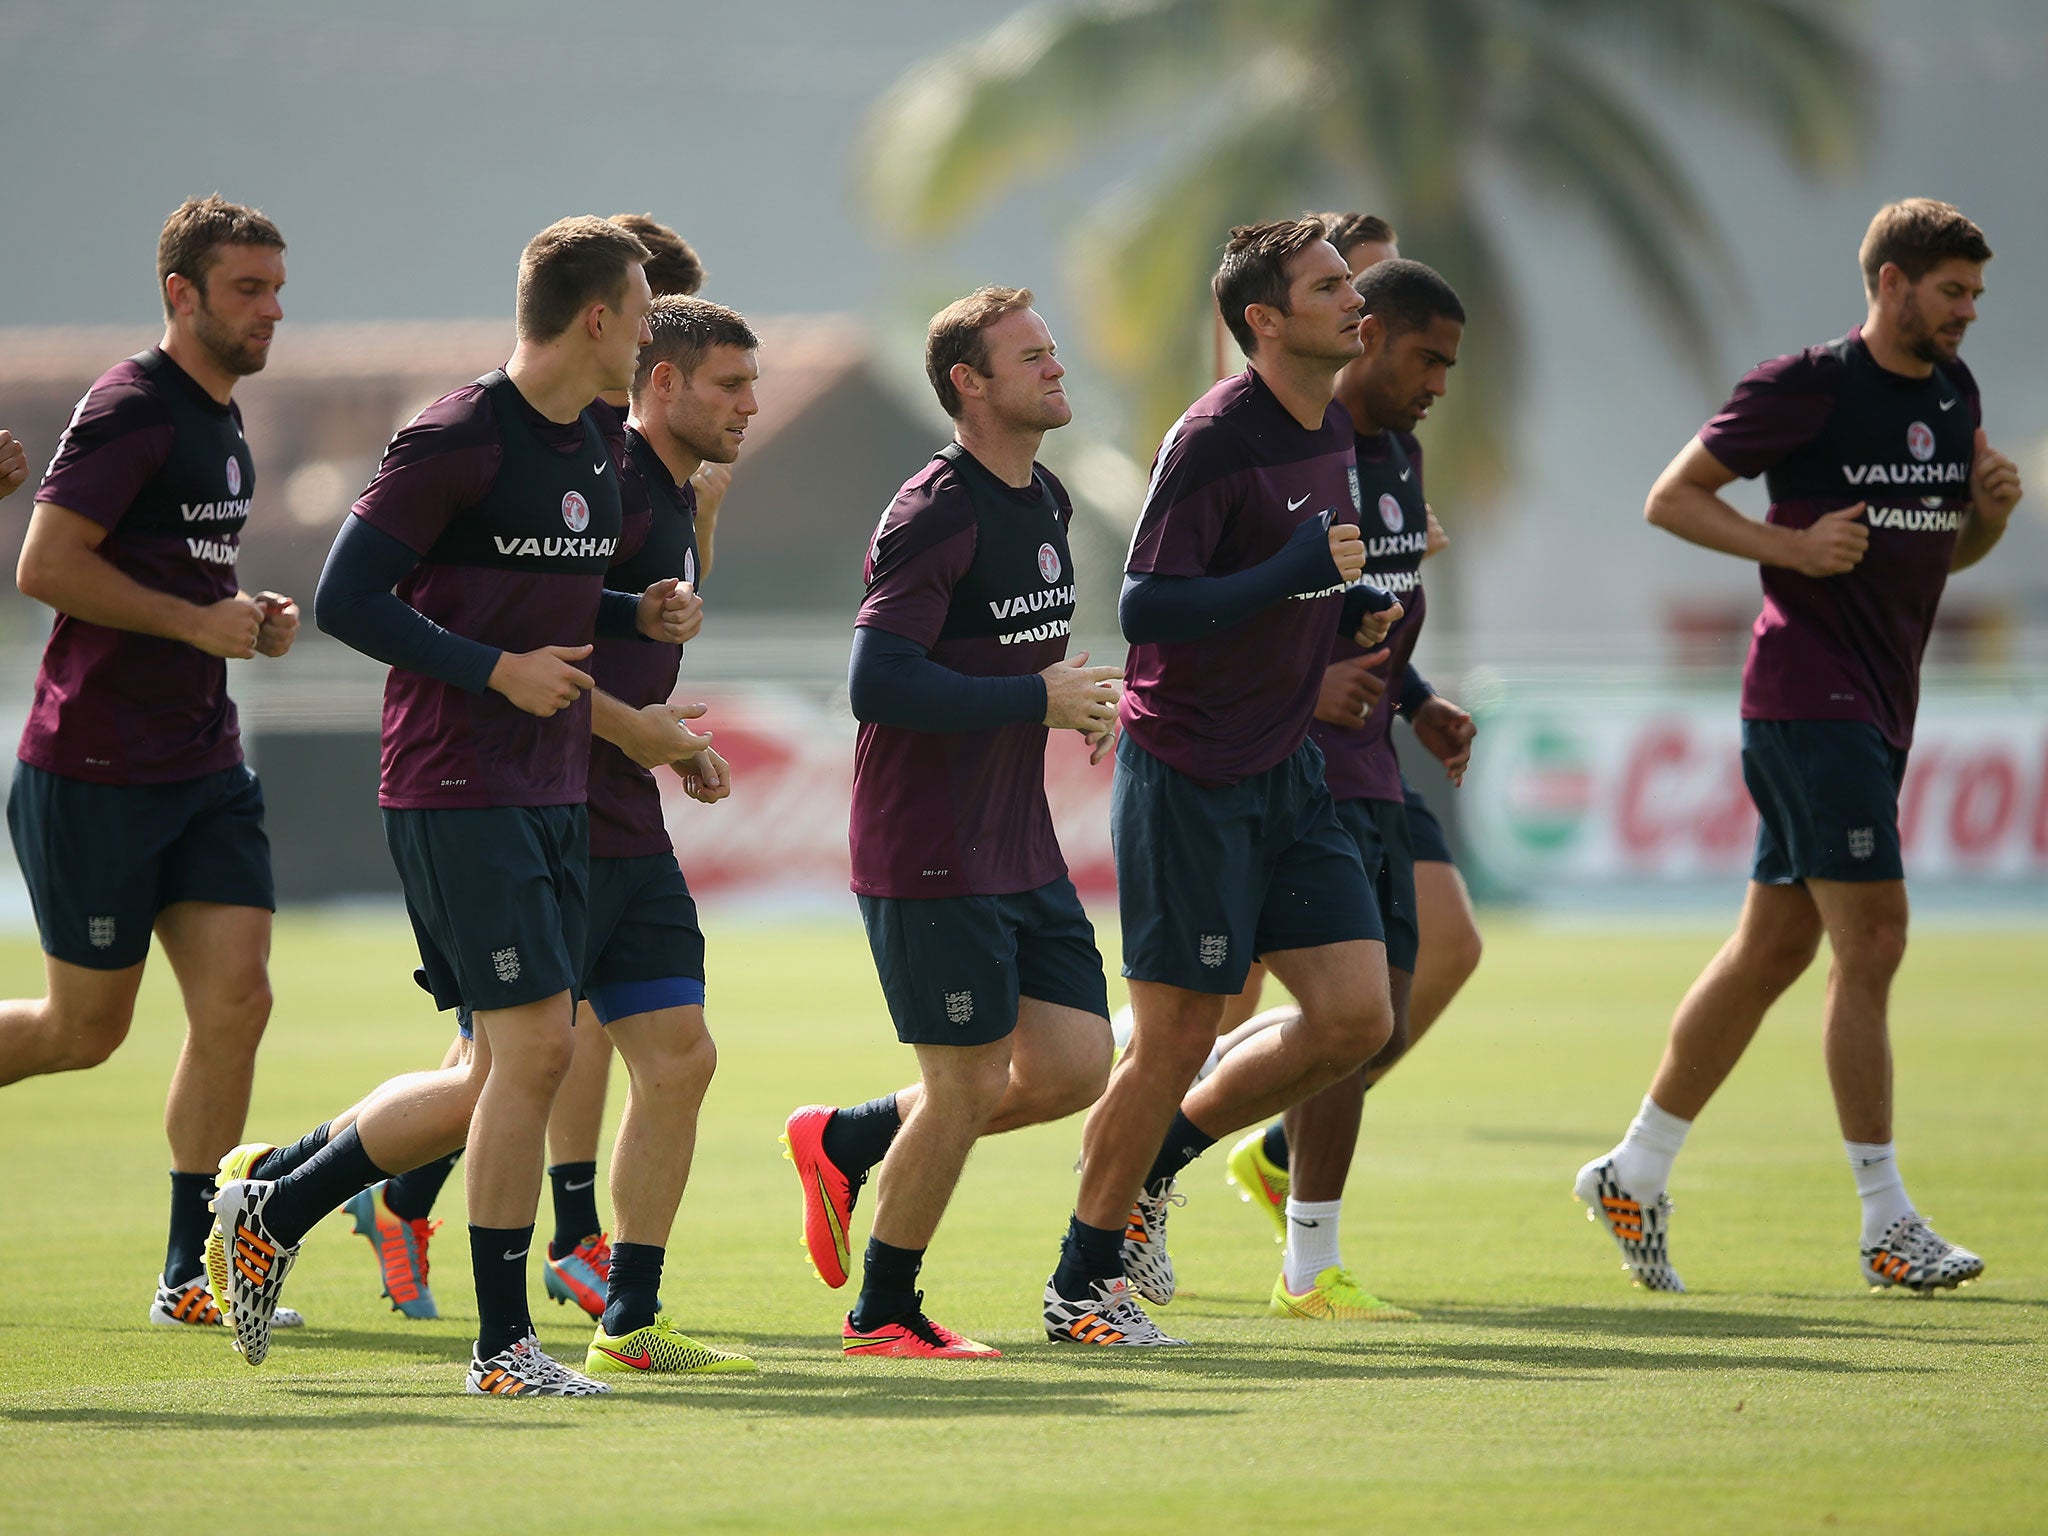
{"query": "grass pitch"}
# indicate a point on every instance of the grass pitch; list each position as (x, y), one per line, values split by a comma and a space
(1539, 1393)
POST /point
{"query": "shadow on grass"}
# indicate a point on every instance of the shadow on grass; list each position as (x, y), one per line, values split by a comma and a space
(1673, 1318)
(132, 1420)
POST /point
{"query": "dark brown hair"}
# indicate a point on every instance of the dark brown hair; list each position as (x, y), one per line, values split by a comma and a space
(1349, 229)
(569, 266)
(673, 265)
(956, 336)
(1916, 236)
(194, 233)
(1254, 269)
(686, 328)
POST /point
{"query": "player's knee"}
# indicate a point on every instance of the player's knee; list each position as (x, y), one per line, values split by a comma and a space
(235, 1018)
(76, 1038)
(1779, 955)
(1872, 950)
(679, 1068)
(1463, 950)
(1356, 1031)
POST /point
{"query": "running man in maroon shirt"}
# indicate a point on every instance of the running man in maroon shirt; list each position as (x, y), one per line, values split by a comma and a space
(474, 565)
(986, 958)
(1881, 483)
(394, 1217)
(1228, 846)
(132, 810)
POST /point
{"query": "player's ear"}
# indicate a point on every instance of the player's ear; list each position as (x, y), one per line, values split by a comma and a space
(966, 382)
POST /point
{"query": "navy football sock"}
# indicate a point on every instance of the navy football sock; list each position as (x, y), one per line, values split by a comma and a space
(1185, 1141)
(633, 1295)
(498, 1255)
(185, 1255)
(576, 1220)
(338, 1171)
(279, 1161)
(1276, 1144)
(1088, 1254)
(411, 1195)
(858, 1138)
(888, 1284)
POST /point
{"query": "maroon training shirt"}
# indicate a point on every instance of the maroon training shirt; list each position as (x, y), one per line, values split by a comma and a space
(163, 467)
(985, 583)
(1233, 479)
(517, 584)
(1361, 764)
(1827, 427)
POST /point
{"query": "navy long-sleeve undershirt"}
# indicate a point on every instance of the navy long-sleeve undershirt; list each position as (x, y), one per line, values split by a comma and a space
(893, 681)
(1159, 610)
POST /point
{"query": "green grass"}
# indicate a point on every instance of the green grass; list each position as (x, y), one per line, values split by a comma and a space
(1538, 1394)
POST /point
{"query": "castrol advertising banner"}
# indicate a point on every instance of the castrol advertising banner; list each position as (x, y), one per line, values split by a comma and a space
(1571, 795)
(783, 830)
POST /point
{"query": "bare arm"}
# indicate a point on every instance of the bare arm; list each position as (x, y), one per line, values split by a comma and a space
(1686, 501)
(61, 565)
(651, 736)
(1994, 492)
(712, 482)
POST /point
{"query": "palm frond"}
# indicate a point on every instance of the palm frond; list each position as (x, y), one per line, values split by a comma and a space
(1575, 134)
(963, 127)
(1792, 65)
(1144, 256)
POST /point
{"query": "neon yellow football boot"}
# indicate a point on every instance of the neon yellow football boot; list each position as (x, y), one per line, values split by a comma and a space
(1336, 1297)
(660, 1349)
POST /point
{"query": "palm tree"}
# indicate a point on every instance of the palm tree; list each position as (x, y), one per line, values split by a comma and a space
(1401, 106)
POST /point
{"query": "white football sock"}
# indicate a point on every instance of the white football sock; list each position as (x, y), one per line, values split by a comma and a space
(1311, 1241)
(1642, 1163)
(1876, 1166)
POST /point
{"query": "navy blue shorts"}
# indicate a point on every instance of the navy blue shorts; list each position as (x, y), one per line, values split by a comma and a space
(645, 950)
(1425, 832)
(1209, 879)
(102, 860)
(1827, 800)
(1380, 829)
(498, 898)
(953, 967)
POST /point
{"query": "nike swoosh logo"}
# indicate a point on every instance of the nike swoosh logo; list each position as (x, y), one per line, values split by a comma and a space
(839, 1242)
(639, 1362)
(1946, 404)
(599, 467)
(1404, 474)
(572, 1188)
(1300, 1223)
(1293, 504)
(513, 1257)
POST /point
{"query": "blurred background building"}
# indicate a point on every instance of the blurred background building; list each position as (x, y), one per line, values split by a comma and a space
(845, 170)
